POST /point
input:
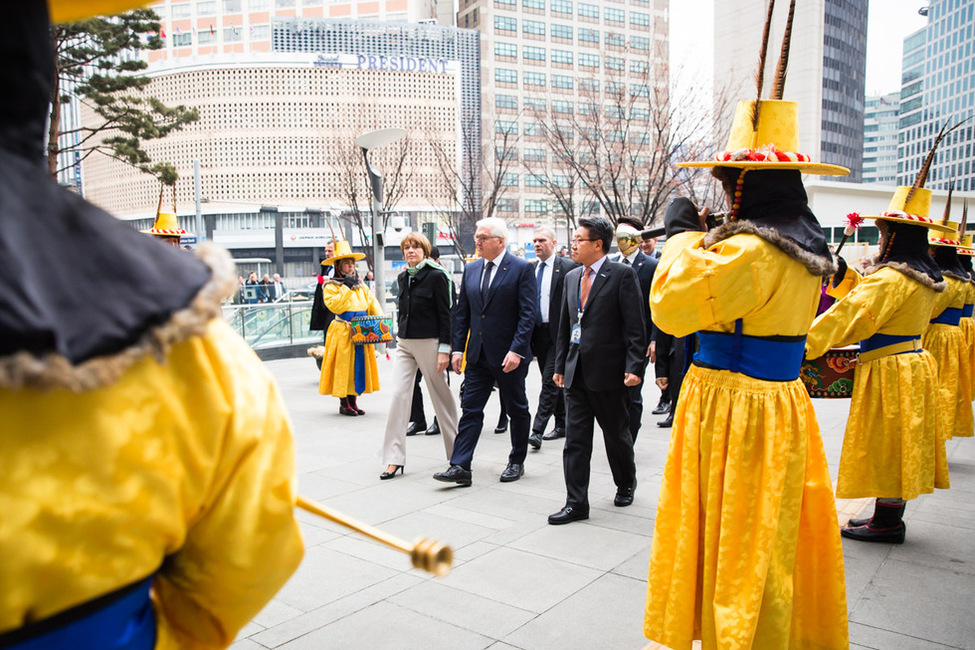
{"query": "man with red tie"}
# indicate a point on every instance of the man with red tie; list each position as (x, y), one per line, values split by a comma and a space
(599, 355)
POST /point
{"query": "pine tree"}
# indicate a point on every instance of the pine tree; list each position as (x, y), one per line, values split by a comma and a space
(98, 61)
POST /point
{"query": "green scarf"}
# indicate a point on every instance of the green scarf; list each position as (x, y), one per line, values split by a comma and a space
(426, 261)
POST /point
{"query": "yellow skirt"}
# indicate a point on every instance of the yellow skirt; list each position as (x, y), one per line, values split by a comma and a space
(894, 446)
(968, 330)
(338, 364)
(746, 548)
(947, 345)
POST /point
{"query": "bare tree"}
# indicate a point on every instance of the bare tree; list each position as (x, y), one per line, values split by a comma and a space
(477, 181)
(622, 140)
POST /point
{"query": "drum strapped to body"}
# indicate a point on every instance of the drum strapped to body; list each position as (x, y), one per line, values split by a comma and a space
(369, 330)
(831, 375)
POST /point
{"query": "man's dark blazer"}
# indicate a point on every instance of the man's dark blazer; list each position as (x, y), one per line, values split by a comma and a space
(558, 266)
(613, 338)
(502, 322)
(645, 266)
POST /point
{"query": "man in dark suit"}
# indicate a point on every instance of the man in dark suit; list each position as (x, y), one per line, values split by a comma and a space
(550, 271)
(600, 353)
(669, 371)
(628, 240)
(494, 318)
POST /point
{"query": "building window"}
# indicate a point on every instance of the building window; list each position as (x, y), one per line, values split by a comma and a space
(506, 49)
(533, 53)
(505, 24)
(588, 60)
(206, 8)
(183, 39)
(509, 180)
(535, 103)
(534, 78)
(588, 35)
(533, 180)
(562, 7)
(509, 3)
(562, 81)
(562, 56)
(615, 40)
(506, 101)
(612, 63)
(260, 32)
(640, 43)
(533, 4)
(588, 11)
(535, 155)
(536, 206)
(561, 106)
(614, 15)
(505, 127)
(181, 10)
(231, 6)
(641, 19)
(231, 34)
(532, 129)
(562, 31)
(505, 76)
(533, 27)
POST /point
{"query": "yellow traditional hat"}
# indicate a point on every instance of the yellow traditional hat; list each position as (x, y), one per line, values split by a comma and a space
(342, 251)
(953, 238)
(66, 11)
(968, 245)
(768, 140)
(165, 226)
(765, 132)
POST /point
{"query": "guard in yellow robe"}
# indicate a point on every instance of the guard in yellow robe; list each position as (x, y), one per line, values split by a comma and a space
(967, 324)
(893, 448)
(946, 341)
(745, 550)
(147, 487)
(347, 370)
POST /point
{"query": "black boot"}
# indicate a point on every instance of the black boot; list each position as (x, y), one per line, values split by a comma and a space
(344, 407)
(886, 526)
(354, 406)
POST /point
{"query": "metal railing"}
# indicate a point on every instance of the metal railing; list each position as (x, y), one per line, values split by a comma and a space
(270, 325)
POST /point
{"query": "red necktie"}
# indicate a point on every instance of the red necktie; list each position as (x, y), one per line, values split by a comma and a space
(585, 286)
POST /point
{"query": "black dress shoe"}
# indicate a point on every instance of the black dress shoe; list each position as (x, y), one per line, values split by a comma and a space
(434, 429)
(502, 427)
(568, 514)
(456, 474)
(415, 428)
(624, 496)
(894, 535)
(555, 435)
(512, 472)
(667, 422)
(535, 440)
(661, 408)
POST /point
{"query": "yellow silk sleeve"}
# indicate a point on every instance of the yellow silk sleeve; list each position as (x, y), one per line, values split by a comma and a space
(338, 297)
(697, 288)
(242, 541)
(850, 280)
(375, 309)
(851, 319)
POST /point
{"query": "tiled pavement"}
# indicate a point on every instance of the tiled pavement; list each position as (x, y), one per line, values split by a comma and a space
(518, 582)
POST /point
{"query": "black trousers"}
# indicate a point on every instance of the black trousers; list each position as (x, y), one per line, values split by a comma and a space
(551, 399)
(610, 409)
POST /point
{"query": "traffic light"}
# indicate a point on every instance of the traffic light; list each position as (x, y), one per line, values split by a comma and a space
(430, 232)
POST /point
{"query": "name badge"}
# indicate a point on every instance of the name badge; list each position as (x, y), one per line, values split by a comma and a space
(576, 335)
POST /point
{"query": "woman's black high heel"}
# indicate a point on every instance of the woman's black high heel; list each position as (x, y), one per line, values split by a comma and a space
(387, 474)
(345, 408)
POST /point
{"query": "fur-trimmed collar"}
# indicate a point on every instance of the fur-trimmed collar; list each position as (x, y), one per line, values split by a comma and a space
(955, 275)
(921, 278)
(816, 265)
(26, 371)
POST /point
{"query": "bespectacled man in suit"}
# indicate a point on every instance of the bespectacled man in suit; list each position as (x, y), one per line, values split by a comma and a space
(550, 271)
(600, 353)
(493, 322)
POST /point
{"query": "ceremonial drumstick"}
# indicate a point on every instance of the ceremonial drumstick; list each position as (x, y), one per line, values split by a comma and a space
(853, 222)
(427, 554)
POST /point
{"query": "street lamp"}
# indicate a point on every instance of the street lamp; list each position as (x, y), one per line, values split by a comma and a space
(367, 141)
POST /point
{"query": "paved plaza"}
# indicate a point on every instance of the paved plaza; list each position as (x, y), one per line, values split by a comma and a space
(518, 582)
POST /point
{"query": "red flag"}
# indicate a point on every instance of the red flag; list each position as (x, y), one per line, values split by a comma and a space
(162, 32)
(211, 30)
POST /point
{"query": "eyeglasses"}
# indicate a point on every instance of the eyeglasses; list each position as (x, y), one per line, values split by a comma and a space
(484, 238)
(579, 240)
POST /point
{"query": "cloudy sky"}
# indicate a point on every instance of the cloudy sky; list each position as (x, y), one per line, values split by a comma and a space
(889, 22)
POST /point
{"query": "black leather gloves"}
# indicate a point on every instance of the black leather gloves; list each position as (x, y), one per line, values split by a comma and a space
(681, 216)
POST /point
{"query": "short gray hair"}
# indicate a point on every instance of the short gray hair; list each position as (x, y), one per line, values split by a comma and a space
(495, 225)
(547, 231)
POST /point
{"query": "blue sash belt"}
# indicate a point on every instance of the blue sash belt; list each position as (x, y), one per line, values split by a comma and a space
(883, 340)
(122, 620)
(761, 358)
(950, 316)
(966, 311)
(359, 369)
